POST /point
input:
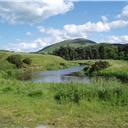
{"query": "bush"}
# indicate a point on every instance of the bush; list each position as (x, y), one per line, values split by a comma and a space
(68, 96)
(15, 59)
(98, 66)
(35, 93)
(104, 95)
(27, 61)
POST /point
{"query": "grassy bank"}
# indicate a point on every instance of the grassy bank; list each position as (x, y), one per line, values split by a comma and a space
(117, 68)
(39, 62)
(100, 104)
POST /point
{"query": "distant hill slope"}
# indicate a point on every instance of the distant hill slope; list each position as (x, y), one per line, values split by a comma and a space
(80, 42)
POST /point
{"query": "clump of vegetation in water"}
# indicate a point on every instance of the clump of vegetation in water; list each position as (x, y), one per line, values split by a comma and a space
(97, 66)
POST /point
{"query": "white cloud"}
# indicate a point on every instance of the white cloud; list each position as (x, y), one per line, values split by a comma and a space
(82, 30)
(41, 29)
(28, 33)
(119, 23)
(70, 31)
(73, 31)
(27, 46)
(32, 10)
(123, 39)
(104, 18)
(124, 12)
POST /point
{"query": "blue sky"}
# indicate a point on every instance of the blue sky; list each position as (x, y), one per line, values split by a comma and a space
(30, 28)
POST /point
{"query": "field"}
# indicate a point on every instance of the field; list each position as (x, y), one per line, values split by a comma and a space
(99, 104)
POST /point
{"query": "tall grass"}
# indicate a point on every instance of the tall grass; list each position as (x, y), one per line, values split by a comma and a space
(107, 92)
(117, 69)
(27, 104)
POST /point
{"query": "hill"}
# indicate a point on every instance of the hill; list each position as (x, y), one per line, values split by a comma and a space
(80, 42)
(39, 61)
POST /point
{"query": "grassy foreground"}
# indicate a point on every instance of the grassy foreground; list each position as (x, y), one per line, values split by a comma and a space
(100, 104)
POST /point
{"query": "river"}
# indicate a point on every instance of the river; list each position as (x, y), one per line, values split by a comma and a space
(60, 76)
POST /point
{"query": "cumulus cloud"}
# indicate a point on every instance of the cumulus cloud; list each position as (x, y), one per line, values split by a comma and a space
(27, 46)
(104, 18)
(72, 31)
(68, 31)
(83, 30)
(33, 10)
(124, 12)
(122, 39)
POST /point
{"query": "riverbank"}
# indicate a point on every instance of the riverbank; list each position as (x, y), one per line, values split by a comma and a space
(117, 68)
(39, 62)
(71, 105)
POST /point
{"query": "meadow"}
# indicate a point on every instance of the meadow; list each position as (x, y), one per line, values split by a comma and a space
(39, 61)
(99, 104)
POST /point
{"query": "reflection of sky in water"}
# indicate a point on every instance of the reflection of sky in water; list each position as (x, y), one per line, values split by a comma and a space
(59, 76)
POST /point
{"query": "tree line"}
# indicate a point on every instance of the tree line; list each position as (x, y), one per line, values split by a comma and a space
(98, 51)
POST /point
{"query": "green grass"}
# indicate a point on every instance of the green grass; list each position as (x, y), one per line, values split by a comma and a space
(118, 68)
(39, 62)
(100, 104)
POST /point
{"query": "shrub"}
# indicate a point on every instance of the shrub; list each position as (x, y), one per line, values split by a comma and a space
(27, 61)
(68, 96)
(35, 93)
(98, 66)
(103, 95)
(15, 59)
(6, 89)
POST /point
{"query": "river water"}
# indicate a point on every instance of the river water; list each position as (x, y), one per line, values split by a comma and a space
(60, 76)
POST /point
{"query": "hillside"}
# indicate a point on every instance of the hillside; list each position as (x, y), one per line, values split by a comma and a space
(40, 62)
(80, 42)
